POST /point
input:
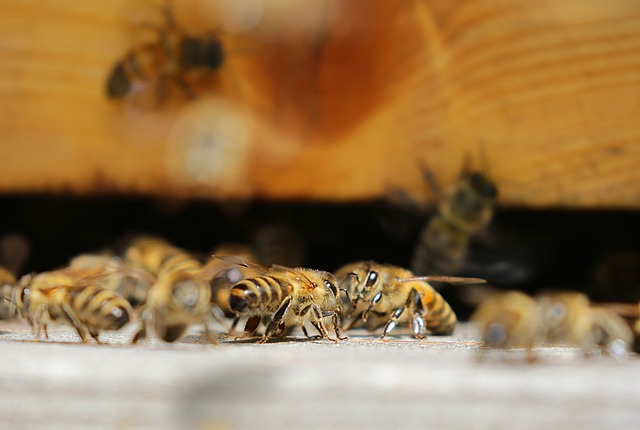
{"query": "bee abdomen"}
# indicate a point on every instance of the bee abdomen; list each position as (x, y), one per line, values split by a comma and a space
(100, 307)
(255, 295)
(440, 318)
(179, 261)
(118, 84)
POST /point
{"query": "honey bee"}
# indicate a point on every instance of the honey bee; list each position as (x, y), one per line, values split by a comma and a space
(70, 297)
(283, 297)
(465, 210)
(509, 320)
(388, 295)
(224, 274)
(115, 274)
(179, 297)
(571, 319)
(14, 251)
(7, 282)
(169, 59)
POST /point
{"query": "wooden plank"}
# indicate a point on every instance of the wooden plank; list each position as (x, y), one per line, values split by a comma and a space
(362, 383)
(341, 101)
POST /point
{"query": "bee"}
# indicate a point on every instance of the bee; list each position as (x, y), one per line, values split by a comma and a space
(225, 274)
(283, 297)
(509, 320)
(70, 297)
(7, 282)
(389, 295)
(179, 297)
(465, 210)
(14, 251)
(168, 59)
(571, 319)
(115, 274)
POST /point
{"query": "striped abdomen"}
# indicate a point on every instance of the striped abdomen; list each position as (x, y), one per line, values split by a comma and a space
(140, 65)
(261, 295)
(178, 261)
(439, 316)
(99, 308)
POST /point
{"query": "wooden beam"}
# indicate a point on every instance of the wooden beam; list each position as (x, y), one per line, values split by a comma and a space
(331, 100)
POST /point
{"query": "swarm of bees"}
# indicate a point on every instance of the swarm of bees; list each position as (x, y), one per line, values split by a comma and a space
(166, 290)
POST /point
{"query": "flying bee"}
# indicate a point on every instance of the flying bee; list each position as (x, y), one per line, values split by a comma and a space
(388, 295)
(283, 297)
(464, 211)
(509, 320)
(179, 297)
(70, 297)
(169, 59)
(571, 319)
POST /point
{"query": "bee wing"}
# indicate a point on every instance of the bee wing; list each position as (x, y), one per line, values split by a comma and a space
(99, 274)
(628, 310)
(449, 279)
(296, 274)
(233, 259)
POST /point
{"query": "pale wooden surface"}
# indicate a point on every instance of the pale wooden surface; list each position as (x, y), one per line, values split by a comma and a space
(340, 102)
(360, 383)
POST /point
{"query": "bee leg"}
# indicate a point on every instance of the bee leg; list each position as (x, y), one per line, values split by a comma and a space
(417, 321)
(94, 334)
(337, 323)
(207, 334)
(275, 321)
(376, 299)
(169, 17)
(252, 325)
(393, 321)
(281, 330)
(234, 324)
(320, 325)
(337, 326)
(77, 324)
(304, 330)
(37, 328)
(141, 334)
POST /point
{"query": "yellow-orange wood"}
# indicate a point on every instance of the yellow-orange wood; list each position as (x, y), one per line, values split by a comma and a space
(331, 100)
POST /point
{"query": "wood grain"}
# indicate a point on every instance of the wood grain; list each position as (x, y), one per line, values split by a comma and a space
(332, 101)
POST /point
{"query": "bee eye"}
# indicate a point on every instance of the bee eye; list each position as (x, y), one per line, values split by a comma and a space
(332, 287)
(24, 294)
(372, 278)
